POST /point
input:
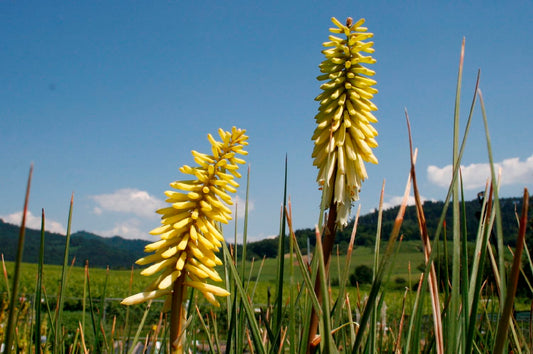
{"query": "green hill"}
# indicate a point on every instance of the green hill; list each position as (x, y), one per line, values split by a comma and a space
(115, 252)
(119, 253)
(366, 228)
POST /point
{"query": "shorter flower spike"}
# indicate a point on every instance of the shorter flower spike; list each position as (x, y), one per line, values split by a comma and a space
(189, 232)
(344, 136)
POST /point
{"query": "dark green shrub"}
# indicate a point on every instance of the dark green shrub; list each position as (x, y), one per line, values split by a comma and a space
(362, 275)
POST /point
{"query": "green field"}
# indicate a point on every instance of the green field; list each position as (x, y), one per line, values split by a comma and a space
(399, 290)
(118, 281)
(119, 284)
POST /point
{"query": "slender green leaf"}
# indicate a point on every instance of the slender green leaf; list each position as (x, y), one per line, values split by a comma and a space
(14, 290)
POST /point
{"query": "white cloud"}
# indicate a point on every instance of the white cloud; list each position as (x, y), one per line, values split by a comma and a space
(34, 222)
(130, 229)
(475, 175)
(128, 200)
(397, 200)
(241, 204)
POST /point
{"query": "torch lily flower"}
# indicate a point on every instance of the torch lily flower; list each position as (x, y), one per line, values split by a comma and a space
(189, 233)
(344, 137)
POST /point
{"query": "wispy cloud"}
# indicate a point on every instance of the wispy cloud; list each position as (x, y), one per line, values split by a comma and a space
(130, 201)
(34, 222)
(475, 175)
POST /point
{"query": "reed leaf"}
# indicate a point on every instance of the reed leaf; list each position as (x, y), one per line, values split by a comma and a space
(11, 323)
(38, 286)
(252, 322)
(278, 307)
(61, 296)
(384, 263)
(503, 324)
(140, 327)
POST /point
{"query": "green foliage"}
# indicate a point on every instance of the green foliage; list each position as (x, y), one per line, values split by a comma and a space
(361, 275)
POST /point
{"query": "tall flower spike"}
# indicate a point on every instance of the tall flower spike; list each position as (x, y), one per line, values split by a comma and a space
(344, 137)
(189, 235)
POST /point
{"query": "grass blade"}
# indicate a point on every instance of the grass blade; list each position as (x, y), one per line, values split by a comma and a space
(433, 287)
(63, 286)
(101, 310)
(503, 325)
(454, 307)
(38, 287)
(206, 329)
(499, 233)
(337, 307)
(14, 290)
(327, 344)
(252, 322)
(242, 320)
(6, 278)
(384, 263)
(277, 322)
(139, 329)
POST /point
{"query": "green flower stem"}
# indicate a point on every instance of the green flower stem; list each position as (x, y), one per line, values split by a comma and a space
(327, 247)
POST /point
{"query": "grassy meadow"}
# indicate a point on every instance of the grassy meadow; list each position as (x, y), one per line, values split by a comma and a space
(262, 273)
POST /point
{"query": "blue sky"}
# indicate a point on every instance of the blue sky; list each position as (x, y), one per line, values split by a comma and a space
(108, 98)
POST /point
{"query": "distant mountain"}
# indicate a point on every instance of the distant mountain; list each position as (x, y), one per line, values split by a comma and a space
(366, 227)
(115, 252)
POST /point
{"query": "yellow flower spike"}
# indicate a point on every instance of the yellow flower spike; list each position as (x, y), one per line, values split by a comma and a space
(155, 268)
(189, 232)
(196, 271)
(193, 233)
(206, 259)
(207, 287)
(183, 242)
(187, 169)
(170, 236)
(164, 211)
(181, 261)
(343, 136)
(156, 257)
(214, 231)
(184, 205)
(216, 203)
(185, 186)
(224, 196)
(151, 247)
(144, 296)
(154, 285)
(211, 240)
(203, 157)
(211, 298)
(170, 252)
(211, 273)
(169, 279)
(159, 230)
(175, 217)
(205, 206)
(184, 222)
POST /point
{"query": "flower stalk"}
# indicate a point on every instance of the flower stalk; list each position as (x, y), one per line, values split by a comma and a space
(190, 235)
(344, 137)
